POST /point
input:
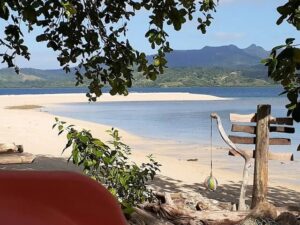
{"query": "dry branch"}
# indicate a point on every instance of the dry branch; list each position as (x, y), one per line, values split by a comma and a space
(235, 151)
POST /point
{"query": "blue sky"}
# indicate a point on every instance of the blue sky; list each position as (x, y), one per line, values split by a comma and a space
(238, 22)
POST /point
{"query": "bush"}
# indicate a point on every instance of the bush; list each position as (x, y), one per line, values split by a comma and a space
(109, 164)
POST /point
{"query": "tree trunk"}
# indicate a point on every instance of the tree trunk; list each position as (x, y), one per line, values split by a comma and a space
(260, 182)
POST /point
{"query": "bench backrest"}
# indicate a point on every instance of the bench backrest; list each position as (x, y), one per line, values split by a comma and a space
(249, 126)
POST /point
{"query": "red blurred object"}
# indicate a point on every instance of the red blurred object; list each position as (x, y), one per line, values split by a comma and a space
(55, 198)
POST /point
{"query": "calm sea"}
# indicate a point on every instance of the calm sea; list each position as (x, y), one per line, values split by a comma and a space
(182, 121)
(219, 91)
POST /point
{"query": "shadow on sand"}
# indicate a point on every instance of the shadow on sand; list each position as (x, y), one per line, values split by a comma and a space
(43, 163)
(279, 196)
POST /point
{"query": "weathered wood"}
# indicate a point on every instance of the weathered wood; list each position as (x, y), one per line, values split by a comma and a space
(242, 140)
(243, 154)
(168, 199)
(243, 128)
(216, 217)
(240, 118)
(282, 120)
(260, 183)
(279, 141)
(289, 130)
(251, 118)
(271, 156)
(10, 147)
(171, 213)
(252, 129)
(142, 217)
(253, 140)
(188, 217)
(16, 158)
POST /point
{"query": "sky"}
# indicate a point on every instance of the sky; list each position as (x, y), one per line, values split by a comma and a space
(238, 22)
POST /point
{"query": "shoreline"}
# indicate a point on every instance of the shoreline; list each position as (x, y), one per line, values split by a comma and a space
(19, 107)
(132, 97)
(33, 129)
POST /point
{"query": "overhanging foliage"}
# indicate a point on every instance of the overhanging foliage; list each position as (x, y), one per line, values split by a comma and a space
(284, 61)
(92, 34)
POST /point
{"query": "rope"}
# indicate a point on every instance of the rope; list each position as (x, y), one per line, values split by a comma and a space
(211, 159)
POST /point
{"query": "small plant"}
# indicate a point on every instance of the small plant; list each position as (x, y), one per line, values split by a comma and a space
(109, 165)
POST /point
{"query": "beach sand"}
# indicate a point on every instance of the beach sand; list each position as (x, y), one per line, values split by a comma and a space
(31, 125)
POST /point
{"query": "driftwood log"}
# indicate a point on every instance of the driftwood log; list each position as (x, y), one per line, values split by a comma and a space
(167, 212)
(11, 147)
(170, 211)
(168, 215)
(11, 153)
(16, 158)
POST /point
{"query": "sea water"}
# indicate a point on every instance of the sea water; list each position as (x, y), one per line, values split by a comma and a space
(183, 121)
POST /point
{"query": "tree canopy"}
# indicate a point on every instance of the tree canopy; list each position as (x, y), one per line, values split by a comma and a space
(284, 61)
(92, 34)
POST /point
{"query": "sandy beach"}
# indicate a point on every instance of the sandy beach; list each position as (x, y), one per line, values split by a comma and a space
(33, 129)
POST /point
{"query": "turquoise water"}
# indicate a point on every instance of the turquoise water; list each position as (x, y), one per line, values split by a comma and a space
(182, 121)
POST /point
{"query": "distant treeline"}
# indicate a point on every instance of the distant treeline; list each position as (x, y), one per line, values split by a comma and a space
(173, 77)
(214, 76)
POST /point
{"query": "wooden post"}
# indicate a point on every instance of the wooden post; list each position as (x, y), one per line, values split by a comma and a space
(260, 183)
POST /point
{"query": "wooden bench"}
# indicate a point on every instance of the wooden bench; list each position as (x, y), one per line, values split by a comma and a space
(287, 123)
(262, 124)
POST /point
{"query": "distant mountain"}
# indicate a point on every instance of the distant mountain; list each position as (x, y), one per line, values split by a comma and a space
(223, 56)
(257, 51)
(209, 66)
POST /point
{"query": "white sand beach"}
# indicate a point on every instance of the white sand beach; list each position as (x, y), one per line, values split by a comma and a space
(33, 129)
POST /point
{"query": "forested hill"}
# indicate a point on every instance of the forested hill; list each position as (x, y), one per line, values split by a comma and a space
(223, 56)
(210, 66)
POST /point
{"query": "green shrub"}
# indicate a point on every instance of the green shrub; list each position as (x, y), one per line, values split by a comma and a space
(108, 163)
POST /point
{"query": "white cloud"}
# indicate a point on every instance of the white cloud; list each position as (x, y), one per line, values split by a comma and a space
(228, 36)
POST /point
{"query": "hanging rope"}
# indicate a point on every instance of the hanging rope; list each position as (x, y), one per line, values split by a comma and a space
(211, 159)
(211, 182)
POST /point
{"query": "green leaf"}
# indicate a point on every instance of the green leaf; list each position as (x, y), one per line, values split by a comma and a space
(83, 138)
(41, 37)
(296, 55)
(29, 14)
(128, 210)
(291, 106)
(69, 8)
(98, 143)
(4, 12)
(289, 41)
(60, 127)
(264, 61)
(75, 155)
(296, 113)
(70, 135)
